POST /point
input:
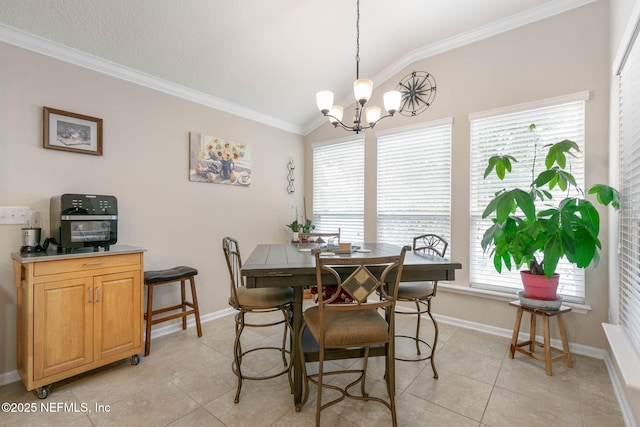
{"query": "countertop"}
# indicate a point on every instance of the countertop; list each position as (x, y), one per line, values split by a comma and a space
(77, 253)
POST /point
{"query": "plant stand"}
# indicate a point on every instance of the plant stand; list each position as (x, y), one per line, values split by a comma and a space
(531, 344)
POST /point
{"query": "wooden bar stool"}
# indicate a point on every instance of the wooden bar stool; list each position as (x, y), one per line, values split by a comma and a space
(546, 345)
(161, 277)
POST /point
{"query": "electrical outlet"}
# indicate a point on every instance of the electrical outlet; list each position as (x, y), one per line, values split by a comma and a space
(14, 215)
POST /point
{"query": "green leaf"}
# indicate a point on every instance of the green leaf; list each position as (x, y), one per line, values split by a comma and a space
(557, 151)
(502, 165)
(552, 254)
(525, 202)
(606, 194)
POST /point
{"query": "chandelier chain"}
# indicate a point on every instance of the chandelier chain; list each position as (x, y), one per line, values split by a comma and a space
(357, 39)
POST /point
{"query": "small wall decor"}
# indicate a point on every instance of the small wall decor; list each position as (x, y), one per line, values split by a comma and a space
(67, 131)
(418, 89)
(290, 178)
(219, 161)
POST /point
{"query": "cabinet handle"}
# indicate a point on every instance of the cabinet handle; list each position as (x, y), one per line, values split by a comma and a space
(90, 295)
(89, 264)
(98, 296)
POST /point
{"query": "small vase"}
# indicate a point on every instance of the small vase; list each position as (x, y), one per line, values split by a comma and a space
(227, 167)
(295, 238)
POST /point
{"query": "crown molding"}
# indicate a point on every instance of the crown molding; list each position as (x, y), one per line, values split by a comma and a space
(64, 53)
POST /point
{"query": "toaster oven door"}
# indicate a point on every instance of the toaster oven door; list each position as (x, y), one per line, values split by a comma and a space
(84, 231)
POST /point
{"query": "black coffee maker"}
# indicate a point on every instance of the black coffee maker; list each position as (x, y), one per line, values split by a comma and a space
(31, 235)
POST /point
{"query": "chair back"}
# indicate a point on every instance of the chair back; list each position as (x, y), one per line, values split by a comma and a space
(371, 282)
(319, 237)
(231, 251)
(430, 243)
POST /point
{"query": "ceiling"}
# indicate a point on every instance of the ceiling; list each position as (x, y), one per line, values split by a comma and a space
(260, 59)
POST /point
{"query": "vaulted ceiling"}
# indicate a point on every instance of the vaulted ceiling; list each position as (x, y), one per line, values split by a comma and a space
(261, 59)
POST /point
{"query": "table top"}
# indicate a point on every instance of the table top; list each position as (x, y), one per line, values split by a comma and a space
(77, 253)
(285, 260)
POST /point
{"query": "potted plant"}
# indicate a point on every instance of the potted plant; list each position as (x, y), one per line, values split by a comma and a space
(533, 229)
(295, 227)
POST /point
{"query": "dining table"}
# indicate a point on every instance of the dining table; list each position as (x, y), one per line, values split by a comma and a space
(292, 265)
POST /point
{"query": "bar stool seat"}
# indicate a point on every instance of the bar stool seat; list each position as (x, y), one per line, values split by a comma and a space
(154, 278)
(531, 343)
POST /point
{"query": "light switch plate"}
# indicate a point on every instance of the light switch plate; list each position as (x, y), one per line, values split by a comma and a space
(14, 215)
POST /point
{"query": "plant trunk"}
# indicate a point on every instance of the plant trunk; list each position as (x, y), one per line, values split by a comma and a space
(536, 268)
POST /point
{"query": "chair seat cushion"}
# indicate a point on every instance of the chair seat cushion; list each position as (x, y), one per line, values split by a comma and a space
(263, 297)
(351, 328)
(415, 290)
(169, 275)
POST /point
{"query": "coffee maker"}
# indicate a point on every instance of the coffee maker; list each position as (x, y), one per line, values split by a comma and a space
(31, 234)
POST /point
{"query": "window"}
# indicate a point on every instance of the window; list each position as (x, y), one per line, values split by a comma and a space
(414, 183)
(629, 233)
(507, 130)
(338, 189)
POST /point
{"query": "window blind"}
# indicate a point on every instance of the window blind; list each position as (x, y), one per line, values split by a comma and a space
(629, 220)
(338, 189)
(509, 134)
(414, 184)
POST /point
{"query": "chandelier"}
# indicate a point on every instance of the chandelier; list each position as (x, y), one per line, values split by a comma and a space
(362, 89)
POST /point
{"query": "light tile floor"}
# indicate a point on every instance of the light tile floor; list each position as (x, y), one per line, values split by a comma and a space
(187, 381)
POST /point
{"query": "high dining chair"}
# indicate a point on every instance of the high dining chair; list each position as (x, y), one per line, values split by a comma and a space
(337, 326)
(421, 293)
(259, 300)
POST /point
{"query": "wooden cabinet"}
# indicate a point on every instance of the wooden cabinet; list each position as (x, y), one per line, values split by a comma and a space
(76, 313)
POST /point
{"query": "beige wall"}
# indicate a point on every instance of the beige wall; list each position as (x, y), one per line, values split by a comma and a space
(557, 56)
(145, 165)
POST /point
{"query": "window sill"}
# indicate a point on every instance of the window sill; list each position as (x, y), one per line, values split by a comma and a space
(500, 296)
(625, 355)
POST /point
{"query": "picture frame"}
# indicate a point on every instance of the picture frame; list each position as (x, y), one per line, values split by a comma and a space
(66, 131)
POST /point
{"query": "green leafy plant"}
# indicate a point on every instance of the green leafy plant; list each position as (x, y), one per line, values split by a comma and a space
(295, 226)
(308, 226)
(530, 228)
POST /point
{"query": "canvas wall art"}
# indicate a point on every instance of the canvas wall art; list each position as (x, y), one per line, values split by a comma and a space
(219, 161)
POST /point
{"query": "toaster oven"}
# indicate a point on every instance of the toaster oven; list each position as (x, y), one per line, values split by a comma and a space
(83, 220)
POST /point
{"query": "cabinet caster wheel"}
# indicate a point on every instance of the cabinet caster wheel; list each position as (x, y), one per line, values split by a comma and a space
(42, 392)
(135, 359)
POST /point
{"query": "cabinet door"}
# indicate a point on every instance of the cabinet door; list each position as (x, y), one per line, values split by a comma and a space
(117, 314)
(63, 326)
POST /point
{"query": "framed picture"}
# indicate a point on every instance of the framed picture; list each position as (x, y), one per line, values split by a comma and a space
(219, 161)
(72, 132)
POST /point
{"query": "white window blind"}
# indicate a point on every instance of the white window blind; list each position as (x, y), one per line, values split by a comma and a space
(508, 133)
(629, 233)
(414, 184)
(338, 189)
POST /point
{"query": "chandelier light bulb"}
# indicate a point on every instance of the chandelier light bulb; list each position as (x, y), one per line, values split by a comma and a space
(362, 89)
(392, 101)
(373, 115)
(324, 99)
(336, 113)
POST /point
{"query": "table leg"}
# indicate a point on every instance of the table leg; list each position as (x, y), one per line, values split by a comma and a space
(532, 332)
(547, 345)
(516, 331)
(565, 343)
(297, 365)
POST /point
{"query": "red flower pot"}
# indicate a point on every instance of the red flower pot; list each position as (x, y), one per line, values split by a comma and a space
(539, 287)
